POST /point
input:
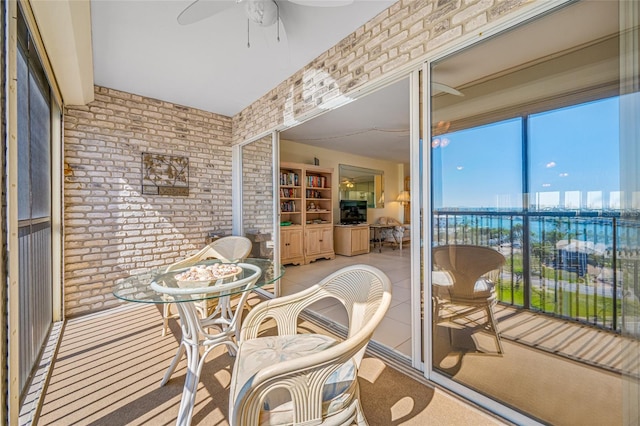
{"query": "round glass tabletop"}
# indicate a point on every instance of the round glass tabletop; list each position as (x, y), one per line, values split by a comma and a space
(159, 286)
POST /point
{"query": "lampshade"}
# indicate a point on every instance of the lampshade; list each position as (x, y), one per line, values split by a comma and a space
(404, 197)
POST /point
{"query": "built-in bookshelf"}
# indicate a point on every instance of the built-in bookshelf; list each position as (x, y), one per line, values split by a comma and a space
(291, 203)
(290, 177)
(306, 213)
(318, 200)
(318, 214)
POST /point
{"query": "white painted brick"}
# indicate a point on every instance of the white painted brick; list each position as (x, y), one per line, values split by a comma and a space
(471, 11)
(445, 37)
(104, 142)
(475, 23)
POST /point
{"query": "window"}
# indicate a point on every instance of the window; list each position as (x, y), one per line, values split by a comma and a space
(34, 203)
(479, 168)
(574, 160)
(526, 162)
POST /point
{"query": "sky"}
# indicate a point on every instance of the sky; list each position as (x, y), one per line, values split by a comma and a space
(573, 161)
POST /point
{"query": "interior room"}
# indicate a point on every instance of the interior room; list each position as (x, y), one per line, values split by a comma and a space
(371, 133)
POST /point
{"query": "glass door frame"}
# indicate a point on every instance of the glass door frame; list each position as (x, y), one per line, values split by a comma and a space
(13, 309)
(417, 237)
(237, 194)
(430, 373)
(416, 234)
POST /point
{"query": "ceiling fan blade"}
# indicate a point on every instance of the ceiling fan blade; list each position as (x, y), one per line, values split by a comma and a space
(445, 88)
(201, 9)
(323, 3)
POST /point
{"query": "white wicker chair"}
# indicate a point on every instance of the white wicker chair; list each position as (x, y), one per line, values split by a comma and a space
(467, 267)
(307, 378)
(228, 249)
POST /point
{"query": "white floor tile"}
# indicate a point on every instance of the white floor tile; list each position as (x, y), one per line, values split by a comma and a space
(391, 333)
(394, 331)
(400, 295)
(404, 348)
(401, 313)
(324, 304)
(336, 313)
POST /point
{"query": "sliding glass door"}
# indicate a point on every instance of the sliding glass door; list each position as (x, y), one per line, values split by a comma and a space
(531, 255)
(257, 204)
(34, 106)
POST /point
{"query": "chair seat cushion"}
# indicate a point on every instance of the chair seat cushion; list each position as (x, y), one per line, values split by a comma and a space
(483, 291)
(256, 354)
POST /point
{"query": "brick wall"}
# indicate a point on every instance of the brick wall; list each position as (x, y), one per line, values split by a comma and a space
(111, 228)
(403, 34)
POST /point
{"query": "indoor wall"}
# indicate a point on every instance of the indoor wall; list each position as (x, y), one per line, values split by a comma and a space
(112, 228)
(296, 152)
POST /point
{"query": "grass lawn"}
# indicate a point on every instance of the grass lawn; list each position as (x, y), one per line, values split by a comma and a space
(594, 309)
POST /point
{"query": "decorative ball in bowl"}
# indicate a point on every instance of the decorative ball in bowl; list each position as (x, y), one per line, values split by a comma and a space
(203, 275)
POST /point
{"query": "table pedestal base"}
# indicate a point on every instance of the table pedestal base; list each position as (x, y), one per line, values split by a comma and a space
(196, 334)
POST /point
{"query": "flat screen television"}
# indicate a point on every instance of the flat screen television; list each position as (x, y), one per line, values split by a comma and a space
(353, 212)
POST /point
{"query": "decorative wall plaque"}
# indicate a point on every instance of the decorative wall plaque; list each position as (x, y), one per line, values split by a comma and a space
(165, 174)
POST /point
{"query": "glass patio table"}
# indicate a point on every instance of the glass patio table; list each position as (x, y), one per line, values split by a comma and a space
(219, 328)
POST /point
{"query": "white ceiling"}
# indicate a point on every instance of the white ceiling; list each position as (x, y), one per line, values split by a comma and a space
(139, 47)
(375, 126)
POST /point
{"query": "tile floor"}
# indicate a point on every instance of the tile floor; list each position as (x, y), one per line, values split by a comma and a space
(395, 329)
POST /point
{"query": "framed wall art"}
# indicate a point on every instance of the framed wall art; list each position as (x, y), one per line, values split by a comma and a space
(165, 174)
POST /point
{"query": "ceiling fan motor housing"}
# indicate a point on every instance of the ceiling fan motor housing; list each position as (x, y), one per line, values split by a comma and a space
(261, 12)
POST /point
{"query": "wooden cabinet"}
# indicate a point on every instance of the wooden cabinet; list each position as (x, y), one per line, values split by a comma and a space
(291, 245)
(351, 240)
(306, 200)
(318, 243)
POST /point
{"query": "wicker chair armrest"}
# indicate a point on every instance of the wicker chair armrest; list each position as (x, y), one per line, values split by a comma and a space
(283, 310)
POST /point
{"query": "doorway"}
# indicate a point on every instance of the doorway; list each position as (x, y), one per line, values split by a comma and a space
(371, 133)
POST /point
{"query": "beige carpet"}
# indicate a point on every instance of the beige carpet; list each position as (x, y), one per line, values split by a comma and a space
(561, 391)
(109, 367)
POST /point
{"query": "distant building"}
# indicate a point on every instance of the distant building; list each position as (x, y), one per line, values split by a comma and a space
(573, 256)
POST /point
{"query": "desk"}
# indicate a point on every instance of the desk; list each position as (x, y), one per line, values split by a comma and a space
(158, 286)
(377, 229)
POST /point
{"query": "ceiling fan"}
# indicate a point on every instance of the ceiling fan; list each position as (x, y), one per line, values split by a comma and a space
(262, 12)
